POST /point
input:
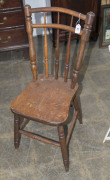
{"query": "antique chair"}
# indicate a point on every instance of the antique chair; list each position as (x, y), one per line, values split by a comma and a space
(47, 98)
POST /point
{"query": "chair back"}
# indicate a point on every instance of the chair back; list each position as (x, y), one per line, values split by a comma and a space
(84, 33)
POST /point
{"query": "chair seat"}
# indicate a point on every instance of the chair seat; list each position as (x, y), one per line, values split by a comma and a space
(46, 100)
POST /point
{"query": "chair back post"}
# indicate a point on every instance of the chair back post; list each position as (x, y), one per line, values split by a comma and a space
(32, 54)
(84, 38)
(68, 53)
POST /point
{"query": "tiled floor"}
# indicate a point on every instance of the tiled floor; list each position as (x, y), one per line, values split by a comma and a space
(89, 157)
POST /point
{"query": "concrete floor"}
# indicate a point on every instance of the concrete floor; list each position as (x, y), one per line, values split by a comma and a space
(89, 157)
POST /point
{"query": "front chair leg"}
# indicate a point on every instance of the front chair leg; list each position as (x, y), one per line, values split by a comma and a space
(63, 147)
(77, 108)
(16, 131)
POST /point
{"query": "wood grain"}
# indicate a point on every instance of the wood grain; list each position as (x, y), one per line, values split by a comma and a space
(68, 53)
(57, 49)
(47, 100)
(45, 48)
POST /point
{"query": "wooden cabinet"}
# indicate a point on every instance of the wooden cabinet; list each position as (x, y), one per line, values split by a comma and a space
(82, 6)
(12, 26)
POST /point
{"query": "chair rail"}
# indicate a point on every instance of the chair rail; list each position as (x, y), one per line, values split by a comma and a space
(56, 26)
(58, 9)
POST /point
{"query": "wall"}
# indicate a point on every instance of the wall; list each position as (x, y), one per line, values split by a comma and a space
(38, 18)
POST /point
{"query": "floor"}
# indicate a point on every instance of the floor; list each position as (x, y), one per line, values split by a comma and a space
(89, 157)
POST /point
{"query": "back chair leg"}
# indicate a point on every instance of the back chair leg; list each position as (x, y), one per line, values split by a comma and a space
(63, 147)
(77, 108)
(16, 131)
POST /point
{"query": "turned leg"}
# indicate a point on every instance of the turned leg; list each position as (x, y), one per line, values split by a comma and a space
(77, 108)
(16, 131)
(63, 147)
(65, 130)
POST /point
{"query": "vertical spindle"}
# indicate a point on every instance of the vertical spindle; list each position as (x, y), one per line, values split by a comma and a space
(57, 50)
(68, 53)
(45, 49)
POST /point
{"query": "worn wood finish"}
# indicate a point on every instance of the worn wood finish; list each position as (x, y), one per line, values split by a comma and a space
(57, 9)
(71, 127)
(39, 138)
(47, 100)
(77, 108)
(11, 21)
(56, 26)
(68, 54)
(57, 49)
(16, 131)
(34, 102)
(45, 48)
(84, 39)
(32, 53)
(23, 124)
(63, 147)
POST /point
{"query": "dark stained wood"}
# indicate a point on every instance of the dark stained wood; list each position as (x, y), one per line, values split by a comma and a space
(9, 5)
(57, 9)
(56, 26)
(45, 48)
(16, 131)
(68, 53)
(71, 128)
(9, 40)
(39, 138)
(23, 124)
(84, 39)
(79, 6)
(47, 100)
(33, 102)
(11, 20)
(77, 108)
(8, 20)
(57, 49)
(32, 53)
(63, 147)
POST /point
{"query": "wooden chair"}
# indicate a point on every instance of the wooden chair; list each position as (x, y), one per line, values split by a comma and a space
(47, 98)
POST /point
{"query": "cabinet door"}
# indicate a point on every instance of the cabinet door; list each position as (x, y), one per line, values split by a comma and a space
(81, 5)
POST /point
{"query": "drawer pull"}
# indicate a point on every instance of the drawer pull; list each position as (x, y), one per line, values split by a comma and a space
(1, 2)
(4, 20)
(8, 39)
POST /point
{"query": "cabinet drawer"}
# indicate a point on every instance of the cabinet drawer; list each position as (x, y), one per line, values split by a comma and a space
(13, 37)
(10, 4)
(11, 19)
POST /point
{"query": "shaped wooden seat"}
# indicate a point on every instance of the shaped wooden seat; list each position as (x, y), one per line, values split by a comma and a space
(47, 99)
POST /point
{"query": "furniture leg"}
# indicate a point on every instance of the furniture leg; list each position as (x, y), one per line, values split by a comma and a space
(16, 131)
(77, 108)
(63, 147)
